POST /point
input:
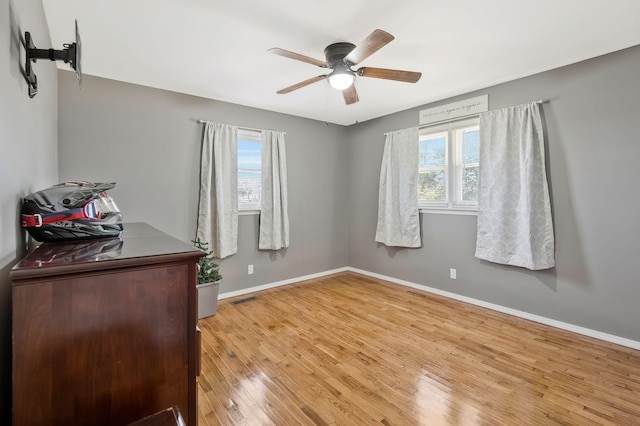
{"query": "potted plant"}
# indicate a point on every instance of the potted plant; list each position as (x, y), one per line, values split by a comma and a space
(208, 281)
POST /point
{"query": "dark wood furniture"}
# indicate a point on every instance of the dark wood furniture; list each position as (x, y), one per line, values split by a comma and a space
(104, 331)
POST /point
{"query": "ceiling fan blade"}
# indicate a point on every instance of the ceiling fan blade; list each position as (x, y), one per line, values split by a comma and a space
(298, 57)
(301, 84)
(387, 74)
(350, 95)
(374, 42)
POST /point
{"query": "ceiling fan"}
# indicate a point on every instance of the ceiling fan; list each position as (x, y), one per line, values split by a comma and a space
(340, 57)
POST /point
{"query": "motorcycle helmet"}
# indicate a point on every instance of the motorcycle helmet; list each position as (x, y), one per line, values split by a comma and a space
(71, 211)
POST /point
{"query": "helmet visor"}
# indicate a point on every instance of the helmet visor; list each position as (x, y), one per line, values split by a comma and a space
(102, 208)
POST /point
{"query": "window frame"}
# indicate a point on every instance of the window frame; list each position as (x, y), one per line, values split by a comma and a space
(253, 136)
(454, 203)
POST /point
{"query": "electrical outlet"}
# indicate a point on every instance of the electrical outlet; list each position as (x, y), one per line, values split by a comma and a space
(250, 269)
(452, 274)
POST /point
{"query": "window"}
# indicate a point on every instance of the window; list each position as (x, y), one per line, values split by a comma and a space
(448, 166)
(249, 169)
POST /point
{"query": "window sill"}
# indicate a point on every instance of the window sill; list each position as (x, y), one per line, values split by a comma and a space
(462, 212)
(247, 212)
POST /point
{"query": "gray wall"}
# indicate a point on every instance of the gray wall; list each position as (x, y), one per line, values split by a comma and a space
(148, 141)
(593, 151)
(28, 150)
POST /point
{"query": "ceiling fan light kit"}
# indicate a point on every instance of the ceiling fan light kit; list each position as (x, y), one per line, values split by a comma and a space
(341, 77)
(340, 57)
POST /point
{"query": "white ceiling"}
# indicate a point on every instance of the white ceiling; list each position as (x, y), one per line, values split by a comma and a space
(218, 48)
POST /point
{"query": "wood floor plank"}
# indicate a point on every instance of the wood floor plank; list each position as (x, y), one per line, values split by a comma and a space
(352, 350)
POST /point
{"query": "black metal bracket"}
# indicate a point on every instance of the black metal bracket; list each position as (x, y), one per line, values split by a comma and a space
(68, 55)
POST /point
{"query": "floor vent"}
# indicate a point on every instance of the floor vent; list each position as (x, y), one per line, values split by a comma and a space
(248, 299)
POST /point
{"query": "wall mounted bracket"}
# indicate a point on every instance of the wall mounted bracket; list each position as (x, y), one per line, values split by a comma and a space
(70, 54)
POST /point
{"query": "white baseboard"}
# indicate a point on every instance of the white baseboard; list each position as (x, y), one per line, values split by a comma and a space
(280, 283)
(526, 315)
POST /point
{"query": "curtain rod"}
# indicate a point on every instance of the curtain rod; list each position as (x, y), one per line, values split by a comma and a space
(422, 126)
(243, 127)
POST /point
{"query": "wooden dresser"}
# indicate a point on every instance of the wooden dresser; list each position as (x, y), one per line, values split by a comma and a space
(104, 330)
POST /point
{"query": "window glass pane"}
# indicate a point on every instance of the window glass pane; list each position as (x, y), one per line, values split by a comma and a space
(249, 174)
(432, 186)
(470, 183)
(471, 146)
(470, 159)
(433, 152)
(432, 167)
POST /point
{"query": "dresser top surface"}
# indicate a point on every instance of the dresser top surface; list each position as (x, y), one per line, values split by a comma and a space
(140, 243)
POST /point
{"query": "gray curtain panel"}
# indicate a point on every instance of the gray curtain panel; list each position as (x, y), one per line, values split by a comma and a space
(514, 210)
(398, 214)
(218, 205)
(274, 216)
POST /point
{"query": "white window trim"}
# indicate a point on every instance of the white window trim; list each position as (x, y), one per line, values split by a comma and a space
(450, 206)
(446, 210)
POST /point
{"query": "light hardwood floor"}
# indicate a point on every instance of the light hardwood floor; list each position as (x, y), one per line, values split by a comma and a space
(348, 349)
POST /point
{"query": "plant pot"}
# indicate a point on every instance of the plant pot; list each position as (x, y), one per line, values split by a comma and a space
(207, 299)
